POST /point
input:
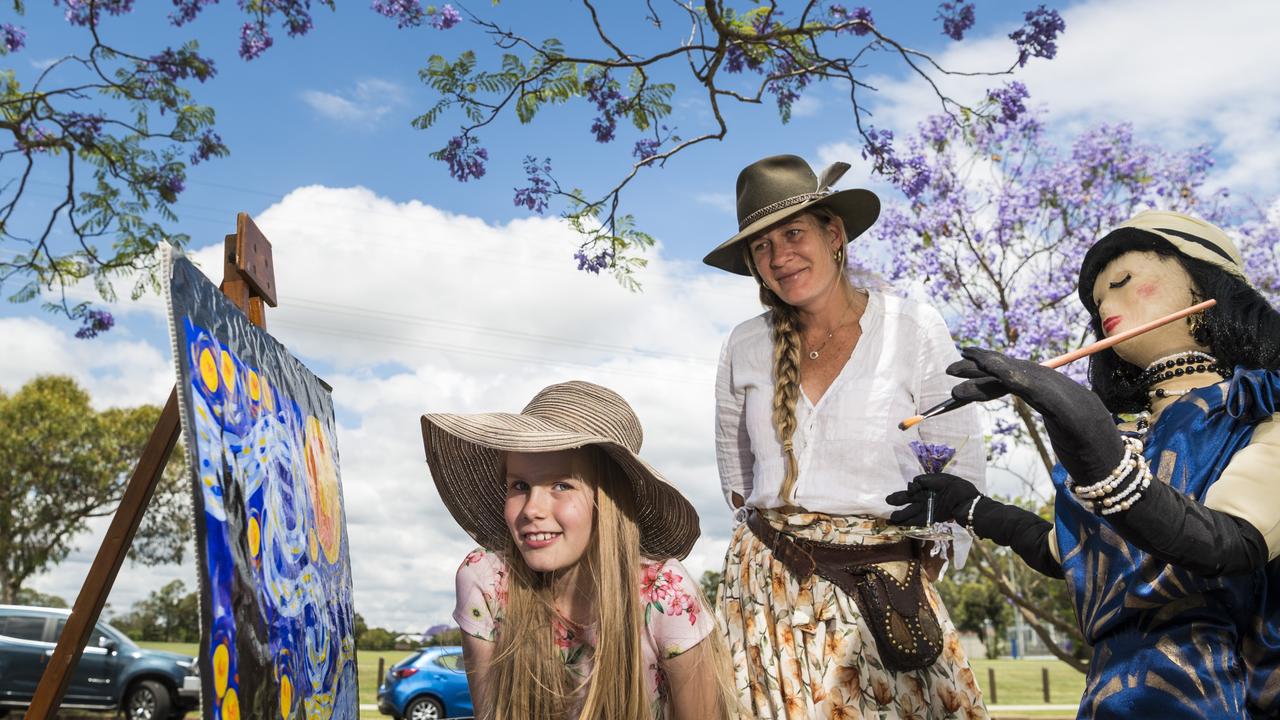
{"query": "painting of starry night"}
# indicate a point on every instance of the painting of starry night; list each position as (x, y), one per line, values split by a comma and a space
(276, 610)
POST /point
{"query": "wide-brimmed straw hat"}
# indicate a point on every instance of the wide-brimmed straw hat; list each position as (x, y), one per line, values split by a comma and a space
(465, 452)
(777, 187)
(1190, 236)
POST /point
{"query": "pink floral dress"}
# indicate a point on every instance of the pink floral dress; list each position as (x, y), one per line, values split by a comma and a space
(674, 617)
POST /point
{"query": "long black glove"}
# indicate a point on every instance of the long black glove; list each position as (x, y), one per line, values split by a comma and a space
(1024, 532)
(1180, 531)
(1165, 523)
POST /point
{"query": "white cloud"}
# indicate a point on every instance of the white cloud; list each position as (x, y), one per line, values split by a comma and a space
(368, 101)
(807, 106)
(117, 370)
(409, 309)
(1181, 72)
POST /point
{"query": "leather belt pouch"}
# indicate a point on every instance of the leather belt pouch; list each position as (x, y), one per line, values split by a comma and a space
(901, 620)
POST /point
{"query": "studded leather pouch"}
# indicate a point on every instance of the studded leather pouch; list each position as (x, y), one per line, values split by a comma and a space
(906, 630)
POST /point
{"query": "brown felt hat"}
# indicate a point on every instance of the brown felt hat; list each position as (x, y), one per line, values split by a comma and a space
(464, 453)
(777, 187)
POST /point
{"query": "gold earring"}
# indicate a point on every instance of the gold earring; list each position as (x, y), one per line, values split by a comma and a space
(1197, 324)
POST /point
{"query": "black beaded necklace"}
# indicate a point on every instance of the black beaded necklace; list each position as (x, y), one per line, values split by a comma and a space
(1191, 362)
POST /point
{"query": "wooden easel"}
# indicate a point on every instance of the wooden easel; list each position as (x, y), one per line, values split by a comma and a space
(248, 280)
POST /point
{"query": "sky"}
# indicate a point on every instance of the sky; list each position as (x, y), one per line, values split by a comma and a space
(410, 292)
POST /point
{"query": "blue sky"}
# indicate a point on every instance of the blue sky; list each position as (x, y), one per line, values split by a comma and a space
(411, 292)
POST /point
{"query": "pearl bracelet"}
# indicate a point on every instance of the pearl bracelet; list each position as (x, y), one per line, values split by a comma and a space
(969, 523)
(1134, 485)
(1132, 453)
(1140, 488)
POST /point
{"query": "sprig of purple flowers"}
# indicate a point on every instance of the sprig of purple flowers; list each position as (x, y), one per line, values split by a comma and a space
(933, 457)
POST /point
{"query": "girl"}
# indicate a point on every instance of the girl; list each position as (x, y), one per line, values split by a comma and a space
(576, 605)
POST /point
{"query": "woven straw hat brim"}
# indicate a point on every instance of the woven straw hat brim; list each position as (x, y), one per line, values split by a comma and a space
(464, 453)
(857, 207)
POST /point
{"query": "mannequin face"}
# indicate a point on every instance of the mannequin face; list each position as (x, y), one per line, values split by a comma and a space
(1136, 288)
(796, 258)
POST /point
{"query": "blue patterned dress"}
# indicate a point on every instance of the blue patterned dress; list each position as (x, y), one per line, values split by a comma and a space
(1166, 642)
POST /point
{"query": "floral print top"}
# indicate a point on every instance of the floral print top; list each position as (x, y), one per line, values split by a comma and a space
(674, 618)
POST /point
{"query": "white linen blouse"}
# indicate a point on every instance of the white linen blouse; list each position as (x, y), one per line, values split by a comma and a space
(849, 450)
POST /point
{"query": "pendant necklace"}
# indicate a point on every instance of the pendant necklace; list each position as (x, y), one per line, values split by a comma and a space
(813, 354)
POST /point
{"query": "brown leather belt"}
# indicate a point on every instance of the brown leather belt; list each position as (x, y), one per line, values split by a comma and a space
(804, 557)
(897, 611)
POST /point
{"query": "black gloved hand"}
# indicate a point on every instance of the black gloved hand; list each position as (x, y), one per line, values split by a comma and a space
(1024, 532)
(951, 499)
(1081, 429)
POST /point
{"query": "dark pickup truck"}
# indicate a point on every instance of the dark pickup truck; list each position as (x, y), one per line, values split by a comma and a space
(113, 674)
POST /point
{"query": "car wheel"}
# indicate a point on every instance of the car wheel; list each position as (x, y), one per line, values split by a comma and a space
(148, 700)
(424, 709)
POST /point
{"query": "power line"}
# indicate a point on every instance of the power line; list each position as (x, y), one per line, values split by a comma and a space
(491, 354)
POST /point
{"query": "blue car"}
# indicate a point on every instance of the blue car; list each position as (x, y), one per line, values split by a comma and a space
(429, 684)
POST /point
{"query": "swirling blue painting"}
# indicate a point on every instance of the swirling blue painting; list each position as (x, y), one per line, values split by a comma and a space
(275, 577)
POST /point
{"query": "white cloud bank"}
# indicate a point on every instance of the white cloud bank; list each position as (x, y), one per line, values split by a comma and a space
(367, 102)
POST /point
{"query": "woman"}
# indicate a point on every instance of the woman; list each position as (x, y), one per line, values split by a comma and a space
(806, 400)
(576, 605)
(1164, 526)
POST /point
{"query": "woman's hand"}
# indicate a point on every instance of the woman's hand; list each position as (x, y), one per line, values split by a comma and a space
(1080, 427)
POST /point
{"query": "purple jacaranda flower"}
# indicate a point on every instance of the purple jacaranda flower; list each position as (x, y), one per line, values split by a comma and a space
(466, 160)
(957, 17)
(169, 181)
(446, 18)
(33, 138)
(183, 63)
(536, 195)
(609, 100)
(208, 145)
(860, 16)
(86, 12)
(406, 13)
(1009, 99)
(95, 322)
(83, 127)
(933, 457)
(254, 39)
(14, 37)
(593, 264)
(1037, 38)
(646, 148)
(186, 10)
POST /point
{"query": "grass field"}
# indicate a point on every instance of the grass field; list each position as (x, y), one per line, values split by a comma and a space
(1018, 682)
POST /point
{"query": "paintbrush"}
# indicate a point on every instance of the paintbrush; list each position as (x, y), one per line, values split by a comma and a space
(952, 403)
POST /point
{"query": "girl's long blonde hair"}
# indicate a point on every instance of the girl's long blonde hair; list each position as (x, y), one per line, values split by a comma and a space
(785, 324)
(527, 679)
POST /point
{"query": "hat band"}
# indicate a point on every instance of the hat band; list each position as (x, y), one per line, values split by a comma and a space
(1201, 242)
(781, 205)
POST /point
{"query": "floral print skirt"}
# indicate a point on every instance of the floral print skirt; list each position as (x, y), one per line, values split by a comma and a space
(802, 650)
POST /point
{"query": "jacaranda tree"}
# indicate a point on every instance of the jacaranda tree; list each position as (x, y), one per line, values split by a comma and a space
(122, 126)
(994, 221)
